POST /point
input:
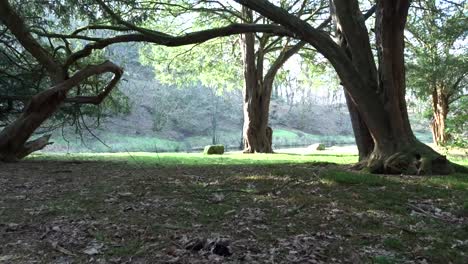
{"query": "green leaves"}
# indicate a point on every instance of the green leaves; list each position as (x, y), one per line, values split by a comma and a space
(437, 58)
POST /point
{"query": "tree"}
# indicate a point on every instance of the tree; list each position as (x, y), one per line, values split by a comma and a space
(14, 138)
(438, 64)
(377, 89)
(362, 135)
(259, 78)
(14, 142)
(261, 56)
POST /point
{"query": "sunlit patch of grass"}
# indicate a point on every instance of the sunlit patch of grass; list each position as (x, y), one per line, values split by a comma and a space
(197, 159)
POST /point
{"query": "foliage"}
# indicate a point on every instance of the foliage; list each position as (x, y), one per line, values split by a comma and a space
(438, 58)
(21, 76)
(457, 124)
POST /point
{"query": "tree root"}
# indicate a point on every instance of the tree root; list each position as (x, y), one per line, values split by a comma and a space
(414, 161)
(28, 148)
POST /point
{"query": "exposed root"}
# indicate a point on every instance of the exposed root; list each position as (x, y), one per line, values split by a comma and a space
(417, 160)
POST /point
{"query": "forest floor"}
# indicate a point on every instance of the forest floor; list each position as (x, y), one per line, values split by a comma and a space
(189, 208)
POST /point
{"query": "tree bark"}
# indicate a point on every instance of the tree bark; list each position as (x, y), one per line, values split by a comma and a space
(379, 94)
(14, 144)
(362, 136)
(257, 135)
(440, 108)
(399, 151)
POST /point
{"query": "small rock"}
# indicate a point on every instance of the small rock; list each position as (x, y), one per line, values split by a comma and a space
(317, 146)
(213, 149)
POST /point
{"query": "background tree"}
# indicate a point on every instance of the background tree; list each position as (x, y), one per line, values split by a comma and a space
(215, 62)
(438, 59)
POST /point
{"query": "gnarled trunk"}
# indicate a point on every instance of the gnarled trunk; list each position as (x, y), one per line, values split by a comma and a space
(395, 148)
(440, 108)
(14, 144)
(398, 151)
(257, 135)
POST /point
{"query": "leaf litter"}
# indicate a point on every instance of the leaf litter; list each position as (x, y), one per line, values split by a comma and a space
(95, 213)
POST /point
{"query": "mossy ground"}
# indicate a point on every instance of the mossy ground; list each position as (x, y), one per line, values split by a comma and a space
(275, 208)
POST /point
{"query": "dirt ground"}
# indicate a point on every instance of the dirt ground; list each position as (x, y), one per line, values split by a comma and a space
(109, 212)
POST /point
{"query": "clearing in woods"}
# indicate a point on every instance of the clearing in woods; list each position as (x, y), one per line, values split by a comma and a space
(189, 208)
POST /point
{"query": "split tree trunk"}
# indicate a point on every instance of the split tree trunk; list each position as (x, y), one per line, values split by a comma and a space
(258, 87)
(257, 135)
(14, 144)
(396, 150)
(362, 136)
(440, 108)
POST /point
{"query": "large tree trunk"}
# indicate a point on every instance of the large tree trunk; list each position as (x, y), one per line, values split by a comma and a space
(440, 108)
(257, 135)
(395, 149)
(362, 136)
(398, 151)
(14, 144)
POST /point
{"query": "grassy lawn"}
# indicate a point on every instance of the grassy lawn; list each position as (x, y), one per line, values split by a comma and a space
(122, 143)
(234, 208)
(198, 159)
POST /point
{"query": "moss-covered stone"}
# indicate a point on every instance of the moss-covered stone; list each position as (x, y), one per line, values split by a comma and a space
(317, 146)
(213, 149)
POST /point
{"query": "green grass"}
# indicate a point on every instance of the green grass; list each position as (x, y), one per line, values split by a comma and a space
(122, 143)
(275, 196)
(198, 159)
